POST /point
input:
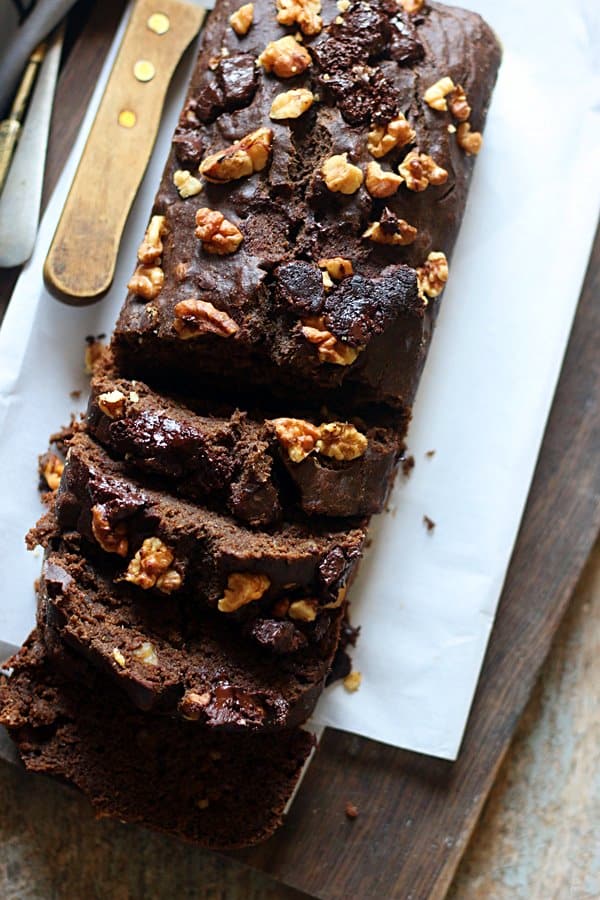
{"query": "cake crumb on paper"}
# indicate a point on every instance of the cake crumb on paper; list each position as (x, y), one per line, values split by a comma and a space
(352, 682)
(430, 454)
(428, 523)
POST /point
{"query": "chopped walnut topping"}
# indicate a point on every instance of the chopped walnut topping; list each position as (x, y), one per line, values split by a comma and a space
(245, 157)
(218, 234)
(146, 654)
(118, 657)
(291, 104)
(397, 133)
(420, 170)
(134, 397)
(340, 175)
(151, 248)
(187, 185)
(435, 96)
(285, 57)
(459, 105)
(196, 317)
(432, 277)
(112, 404)
(330, 349)
(147, 282)
(303, 12)
(303, 610)
(380, 183)
(327, 282)
(352, 682)
(297, 436)
(343, 5)
(341, 441)
(193, 704)
(52, 471)
(412, 6)
(341, 596)
(112, 538)
(394, 231)
(337, 267)
(470, 141)
(243, 588)
(151, 567)
(241, 19)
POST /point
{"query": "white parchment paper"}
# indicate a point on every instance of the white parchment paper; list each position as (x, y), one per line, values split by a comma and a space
(425, 601)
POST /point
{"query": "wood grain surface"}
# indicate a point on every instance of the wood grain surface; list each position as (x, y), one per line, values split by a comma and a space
(417, 814)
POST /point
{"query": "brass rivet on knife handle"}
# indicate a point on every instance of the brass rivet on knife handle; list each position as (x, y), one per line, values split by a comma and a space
(81, 261)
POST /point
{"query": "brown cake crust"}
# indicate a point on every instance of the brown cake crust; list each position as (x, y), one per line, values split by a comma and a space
(375, 64)
(218, 791)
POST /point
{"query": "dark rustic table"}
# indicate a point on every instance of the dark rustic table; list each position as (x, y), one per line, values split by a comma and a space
(416, 814)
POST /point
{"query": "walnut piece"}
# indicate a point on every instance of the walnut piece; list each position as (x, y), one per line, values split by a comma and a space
(118, 657)
(187, 185)
(380, 183)
(352, 682)
(337, 267)
(458, 103)
(241, 19)
(151, 248)
(147, 282)
(329, 348)
(435, 96)
(341, 176)
(291, 104)
(397, 133)
(304, 13)
(193, 704)
(218, 234)
(242, 588)
(112, 404)
(52, 471)
(297, 436)
(245, 157)
(399, 233)
(412, 6)
(420, 170)
(341, 441)
(195, 317)
(303, 610)
(112, 538)
(146, 654)
(470, 141)
(285, 57)
(151, 567)
(432, 277)
(343, 5)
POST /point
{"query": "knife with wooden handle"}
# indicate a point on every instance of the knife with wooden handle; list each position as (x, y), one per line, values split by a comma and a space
(81, 261)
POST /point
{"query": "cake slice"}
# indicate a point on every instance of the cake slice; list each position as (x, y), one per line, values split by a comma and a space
(169, 657)
(252, 465)
(318, 177)
(219, 791)
(166, 545)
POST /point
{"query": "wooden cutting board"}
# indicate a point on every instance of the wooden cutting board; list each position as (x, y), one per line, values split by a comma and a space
(416, 814)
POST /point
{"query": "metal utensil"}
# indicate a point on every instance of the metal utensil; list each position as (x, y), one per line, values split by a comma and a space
(21, 197)
(81, 261)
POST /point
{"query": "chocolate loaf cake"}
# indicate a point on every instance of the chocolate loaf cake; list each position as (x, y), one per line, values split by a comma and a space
(251, 465)
(219, 791)
(168, 546)
(311, 200)
(169, 657)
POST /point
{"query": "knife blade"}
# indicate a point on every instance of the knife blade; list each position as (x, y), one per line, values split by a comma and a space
(21, 197)
(81, 261)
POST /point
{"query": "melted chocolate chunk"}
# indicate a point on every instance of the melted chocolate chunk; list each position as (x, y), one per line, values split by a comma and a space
(300, 285)
(405, 46)
(277, 636)
(360, 307)
(366, 27)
